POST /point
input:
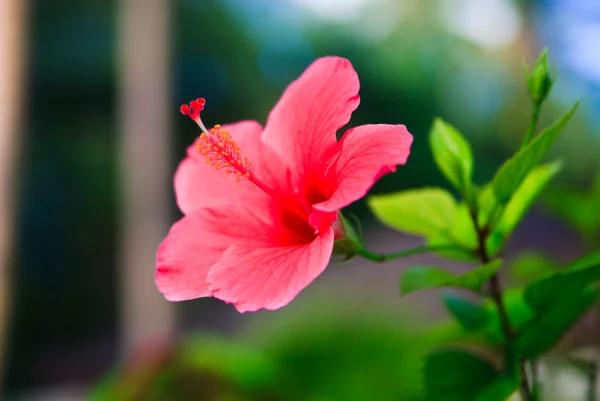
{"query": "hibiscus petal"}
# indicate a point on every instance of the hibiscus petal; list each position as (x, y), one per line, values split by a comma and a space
(365, 154)
(198, 240)
(183, 259)
(198, 184)
(269, 278)
(304, 122)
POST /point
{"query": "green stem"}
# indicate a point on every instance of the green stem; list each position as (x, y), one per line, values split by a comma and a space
(592, 394)
(509, 333)
(380, 258)
(533, 124)
(495, 214)
(535, 385)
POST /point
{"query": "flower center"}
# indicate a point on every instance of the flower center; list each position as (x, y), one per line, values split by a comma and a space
(221, 151)
(217, 145)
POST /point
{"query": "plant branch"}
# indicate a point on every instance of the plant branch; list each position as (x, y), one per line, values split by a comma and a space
(535, 386)
(592, 394)
(380, 258)
(496, 294)
(533, 124)
(495, 214)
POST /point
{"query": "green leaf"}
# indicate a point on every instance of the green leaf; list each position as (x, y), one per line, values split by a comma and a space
(457, 254)
(499, 390)
(520, 203)
(427, 211)
(526, 194)
(590, 261)
(424, 277)
(486, 203)
(463, 229)
(551, 290)
(476, 278)
(461, 233)
(452, 154)
(558, 301)
(532, 264)
(518, 310)
(512, 173)
(427, 277)
(471, 316)
(455, 375)
(549, 326)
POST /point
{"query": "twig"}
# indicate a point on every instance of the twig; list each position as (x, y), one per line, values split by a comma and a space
(509, 333)
(380, 258)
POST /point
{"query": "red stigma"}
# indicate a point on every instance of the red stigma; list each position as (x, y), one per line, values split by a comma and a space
(193, 109)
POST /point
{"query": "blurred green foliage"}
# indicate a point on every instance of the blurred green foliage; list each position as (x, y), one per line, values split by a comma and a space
(579, 208)
(321, 353)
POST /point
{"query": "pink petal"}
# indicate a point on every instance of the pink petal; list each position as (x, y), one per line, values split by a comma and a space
(183, 259)
(198, 184)
(304, 122)
(199, 239)
(269, 278)
(321, 220)
(365, 154)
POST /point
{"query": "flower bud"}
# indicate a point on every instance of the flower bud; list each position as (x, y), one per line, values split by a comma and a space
(347, 240)
(541, 79)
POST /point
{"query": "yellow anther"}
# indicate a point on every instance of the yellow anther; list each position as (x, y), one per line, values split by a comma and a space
(221, 151)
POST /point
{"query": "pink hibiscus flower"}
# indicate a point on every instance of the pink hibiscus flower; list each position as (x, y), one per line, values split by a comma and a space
(261, 205)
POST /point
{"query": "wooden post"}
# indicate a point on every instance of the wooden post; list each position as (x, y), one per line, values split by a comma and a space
(145, 172)
(12, 65)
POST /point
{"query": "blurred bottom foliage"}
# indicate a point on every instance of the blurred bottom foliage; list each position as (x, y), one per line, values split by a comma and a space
(317, 356)
(325, 353)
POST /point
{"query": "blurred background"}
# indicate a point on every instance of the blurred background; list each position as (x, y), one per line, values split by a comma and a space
(91, 136)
